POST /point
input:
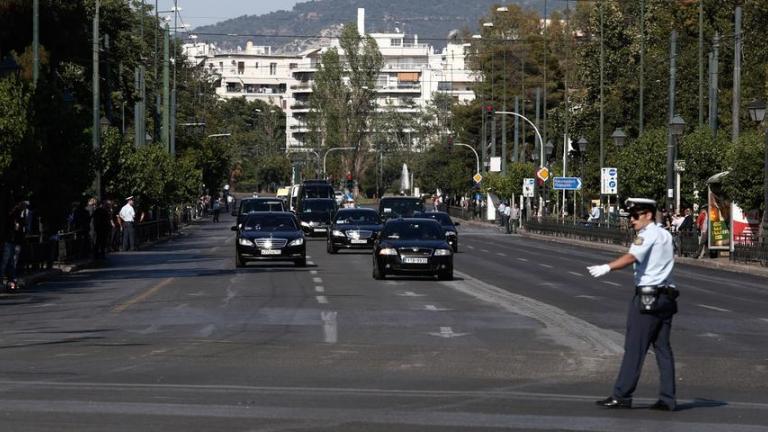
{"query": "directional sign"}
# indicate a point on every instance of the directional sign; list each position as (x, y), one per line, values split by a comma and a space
(566, 183)
(609, 181)
(528, 185)
(477, 178)
(543, 174)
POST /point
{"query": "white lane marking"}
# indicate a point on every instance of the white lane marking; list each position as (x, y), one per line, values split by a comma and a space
(612, 283)
(410, 294)
(545, 265)
(501, 254)
(483, 250)
(710, 335)
(330, 326)
(447, 333)
(587, 297)
(433, 308)
(714, 308)
(44, 305)
(310, 263)
(322, 299)
(320, 288)
(522, 259)
(764, 319)
(470, 247)
(313, 272)
(309, 257)
(317, 280)
(576, 274)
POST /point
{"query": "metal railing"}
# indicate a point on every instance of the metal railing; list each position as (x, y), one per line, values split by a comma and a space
(749, 248)
(581, 231)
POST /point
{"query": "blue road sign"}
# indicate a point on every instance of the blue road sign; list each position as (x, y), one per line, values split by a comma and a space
(566, 183)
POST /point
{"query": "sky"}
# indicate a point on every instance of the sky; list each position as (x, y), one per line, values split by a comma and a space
(203, 12)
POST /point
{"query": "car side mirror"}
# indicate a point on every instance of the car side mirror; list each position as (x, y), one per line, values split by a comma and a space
(234, 228)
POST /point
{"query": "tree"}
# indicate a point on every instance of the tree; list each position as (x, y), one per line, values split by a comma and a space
(744, 183)
(14, 106)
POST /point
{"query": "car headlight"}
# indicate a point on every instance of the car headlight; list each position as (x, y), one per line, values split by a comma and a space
(337, 233)
(388, 251)
(450, 233)
(297, 242)
(442, 252)
(245, 242)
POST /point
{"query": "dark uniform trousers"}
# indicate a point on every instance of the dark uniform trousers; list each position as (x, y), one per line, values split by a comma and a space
(644, 329)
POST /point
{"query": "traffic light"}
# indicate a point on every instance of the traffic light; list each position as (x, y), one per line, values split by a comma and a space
(350, 182)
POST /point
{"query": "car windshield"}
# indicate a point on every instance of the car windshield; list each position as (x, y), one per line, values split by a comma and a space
(443, 218)
(259, 205)
(413, 231)
(404, 207)
(271, 222)
(318, 191)
(317, 207)
(357, 217)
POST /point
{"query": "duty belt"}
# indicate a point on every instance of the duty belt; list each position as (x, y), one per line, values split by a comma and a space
(669, 290)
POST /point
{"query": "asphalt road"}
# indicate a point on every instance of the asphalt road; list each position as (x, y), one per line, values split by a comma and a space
(173, 338)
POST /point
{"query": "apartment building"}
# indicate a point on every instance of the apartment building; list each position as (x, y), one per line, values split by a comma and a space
(412, 73)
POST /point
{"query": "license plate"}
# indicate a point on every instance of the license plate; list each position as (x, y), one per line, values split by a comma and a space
(319, 229)
(270, 251)
(416, 260)
(356, 241)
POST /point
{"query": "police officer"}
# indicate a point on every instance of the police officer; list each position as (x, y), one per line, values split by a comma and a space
(650, 312)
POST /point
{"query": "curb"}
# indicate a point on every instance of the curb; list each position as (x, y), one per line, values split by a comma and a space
(710, 264)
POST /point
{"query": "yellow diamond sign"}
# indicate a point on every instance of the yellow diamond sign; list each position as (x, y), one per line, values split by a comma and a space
(477, 178)
(542, 174)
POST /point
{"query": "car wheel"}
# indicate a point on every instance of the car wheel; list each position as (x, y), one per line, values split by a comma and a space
(378, 272)
(330, 248)
(446, 275)
(301, 262)
(239, 262)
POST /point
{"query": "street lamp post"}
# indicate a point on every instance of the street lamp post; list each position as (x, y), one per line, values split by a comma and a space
(757, 114)
(477, 158)
(308, 151)
(676, 128)
(582, 142)
(325, 156)
(535, 129)
(619, 137)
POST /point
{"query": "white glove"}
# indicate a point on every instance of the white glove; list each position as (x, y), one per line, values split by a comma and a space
(599, 270)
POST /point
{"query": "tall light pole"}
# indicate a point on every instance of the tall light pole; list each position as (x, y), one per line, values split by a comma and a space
(757, 114)
(676, 128)
(535, 129)
(95, 135)
(325, 156)
(477, 158)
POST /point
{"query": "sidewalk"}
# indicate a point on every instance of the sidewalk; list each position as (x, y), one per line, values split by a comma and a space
(721, 263)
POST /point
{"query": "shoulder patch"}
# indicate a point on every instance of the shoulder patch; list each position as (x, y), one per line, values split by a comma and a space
(638, 241)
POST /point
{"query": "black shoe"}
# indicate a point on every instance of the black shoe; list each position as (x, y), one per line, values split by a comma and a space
(660, 405)
(612, 402)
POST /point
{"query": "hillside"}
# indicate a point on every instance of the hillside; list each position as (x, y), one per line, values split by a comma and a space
(290, 31)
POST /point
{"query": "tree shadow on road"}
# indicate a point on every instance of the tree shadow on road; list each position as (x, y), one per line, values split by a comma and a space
(700, 403)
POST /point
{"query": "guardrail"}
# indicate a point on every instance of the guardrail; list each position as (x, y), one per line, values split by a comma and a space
(749, 248)
(582, 231)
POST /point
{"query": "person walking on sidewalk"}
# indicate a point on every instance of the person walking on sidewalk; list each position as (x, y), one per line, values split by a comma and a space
(651, 310)
(127, 217)
(102, 225)
(15, 234)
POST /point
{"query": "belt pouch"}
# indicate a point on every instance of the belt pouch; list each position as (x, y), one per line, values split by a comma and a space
(649, 299)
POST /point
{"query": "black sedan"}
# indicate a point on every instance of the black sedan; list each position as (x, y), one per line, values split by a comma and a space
(315, 215)
(449, 226)
(353, 228)
(412, 246)
(270, 236)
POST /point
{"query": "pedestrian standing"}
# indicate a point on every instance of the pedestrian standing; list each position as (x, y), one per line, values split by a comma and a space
(102, 225)
(15, 234)
(502, 210)
(127, 217)
(702, 223)
(649, 320)
(508, 218)
(216, 209)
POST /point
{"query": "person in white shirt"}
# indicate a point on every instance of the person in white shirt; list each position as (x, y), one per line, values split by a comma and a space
(127, 217)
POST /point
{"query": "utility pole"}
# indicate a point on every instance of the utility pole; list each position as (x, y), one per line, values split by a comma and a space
(602, 79)
(546, 66)
(642, 67)
(35, 41)
(670, 137)
(713, 85)
(735, 108)
(516, 148)
(166, 136)
(701, 62)
(95, 134)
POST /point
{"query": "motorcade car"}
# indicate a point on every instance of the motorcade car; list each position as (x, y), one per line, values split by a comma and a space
(449, 226)
(399, 206)
(309, 189)
(270, 236)
(263, 204)
(315, 215)
(412, 247)
(353, 228)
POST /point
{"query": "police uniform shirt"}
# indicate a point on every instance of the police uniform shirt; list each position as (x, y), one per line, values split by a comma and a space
(127, 213)
(653, 251)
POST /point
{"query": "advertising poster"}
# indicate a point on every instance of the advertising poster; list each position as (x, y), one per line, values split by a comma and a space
(719, 219)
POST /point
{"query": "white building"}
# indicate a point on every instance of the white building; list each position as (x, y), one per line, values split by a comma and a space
(412, 73)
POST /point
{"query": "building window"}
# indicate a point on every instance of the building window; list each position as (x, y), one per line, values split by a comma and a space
(396, 42)
(256, 65)
(273, 68)
(240, 68)
(293, 65)
(444, 86)
(221, 66)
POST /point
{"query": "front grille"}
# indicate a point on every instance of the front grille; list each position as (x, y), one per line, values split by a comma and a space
(419, 252)
(359, 234)
(274, 243)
